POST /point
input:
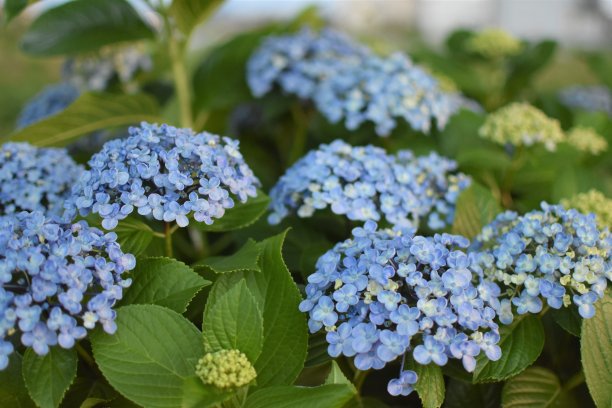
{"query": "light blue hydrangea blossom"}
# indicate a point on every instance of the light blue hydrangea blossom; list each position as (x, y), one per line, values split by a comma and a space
(298, 63)
(58, 281)
(164, 172)
(591, 98)
(554, 255)
(382, 90)
(365, 183)
(50, 101)
(34, 178)
(384, 293)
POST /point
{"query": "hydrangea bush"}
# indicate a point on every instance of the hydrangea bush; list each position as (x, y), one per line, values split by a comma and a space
(153, 269)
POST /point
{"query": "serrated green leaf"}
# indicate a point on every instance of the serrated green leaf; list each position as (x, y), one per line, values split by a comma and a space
(84, 25)
(189, 13)
(48, 377)
(134, 236)
(241, 216)
(245, 259)
(149, 357)
(534, 387)
(336, 376)
(596, 352)
(328, 396)
(521, 344)
(90, 112)
(198, 395)
(13, 392)
(568, 318)
(430, 385)
(317, 350)
(461, 394)
(164, 282)
(475, 208)
(234, 322)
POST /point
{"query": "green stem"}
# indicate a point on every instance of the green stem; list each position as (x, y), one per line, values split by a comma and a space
(508, 181)
(359, 379)
(85, 356)
(301, 132)
(574, 381)
(168, 237)
(176, 50)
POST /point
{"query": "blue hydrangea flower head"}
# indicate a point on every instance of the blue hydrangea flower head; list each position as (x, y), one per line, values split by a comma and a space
(384, 293)
(591, 98)
(50, 101)
(58, 281)
(298, 63)
(366, 183)
(33, 178)
(555, 256)
(383, 90)
(164, 172)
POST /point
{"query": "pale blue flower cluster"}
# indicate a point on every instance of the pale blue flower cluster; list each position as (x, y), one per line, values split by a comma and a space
(382, 90)
(298, 63)
(33, 178)
(348, 82)
(58, 281)
(50, 101)
(554, 255)
(384, 293)
(366, 183)
(593, 98)
(164, 172)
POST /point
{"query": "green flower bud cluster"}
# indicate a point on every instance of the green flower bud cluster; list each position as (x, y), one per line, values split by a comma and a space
(594, 202)
(226, 369)
(521, 124)
(587, 140)
(494, 43)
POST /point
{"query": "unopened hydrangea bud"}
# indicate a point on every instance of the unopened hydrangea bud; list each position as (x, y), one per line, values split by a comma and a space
(227, 369)
(494, 43)
(593, 202)
(521, 124)
(587, 140)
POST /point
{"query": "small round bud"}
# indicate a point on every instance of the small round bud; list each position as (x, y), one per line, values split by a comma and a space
(226, 369)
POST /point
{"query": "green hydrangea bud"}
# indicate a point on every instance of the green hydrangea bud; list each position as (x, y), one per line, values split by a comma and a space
(594, 202)
(494, 43)
(226, 369)
(521, 124)
(587, 140)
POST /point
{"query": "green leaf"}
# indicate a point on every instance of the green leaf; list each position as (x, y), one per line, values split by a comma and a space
(149, 357)
(483, 159)
(336, 376)
(476, 207)
(198, 395)
(242, 215)
(83, 26)
(246, 259)
(234, 322)
(13, 392)
(189, 13)
(328, 396)
(134, 236)
(461, 394)
(596, 352)
(48, 377)
(521, 344)
(317, 350)
(430, 385)
(525, 65)
(569, 319)
(164, 282)
(534, 387)
(91, 112)
(12, 8)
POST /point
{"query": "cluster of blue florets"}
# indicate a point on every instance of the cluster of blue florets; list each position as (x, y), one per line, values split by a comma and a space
(593, 98)
(384, 293)
(58, 281)
(554, 254)
(365, 183)
(299, 63)
(34, 178)
(50, 101)
(165, 172)
(348, 82)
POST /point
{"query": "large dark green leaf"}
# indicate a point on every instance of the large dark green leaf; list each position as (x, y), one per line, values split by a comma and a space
(91, 112)
(84, 25)
(534, 387)
(430, 385)
(521, 344)
(461, 394)
(328, 396)
(150, 356)
(596, 352)
(240, 216)
(13, 392)
(526, 64)
(476, 207)
(189, 13)
(134, 235)
(48, 377)
(198, 395)
(569, 319)
(246, 259)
